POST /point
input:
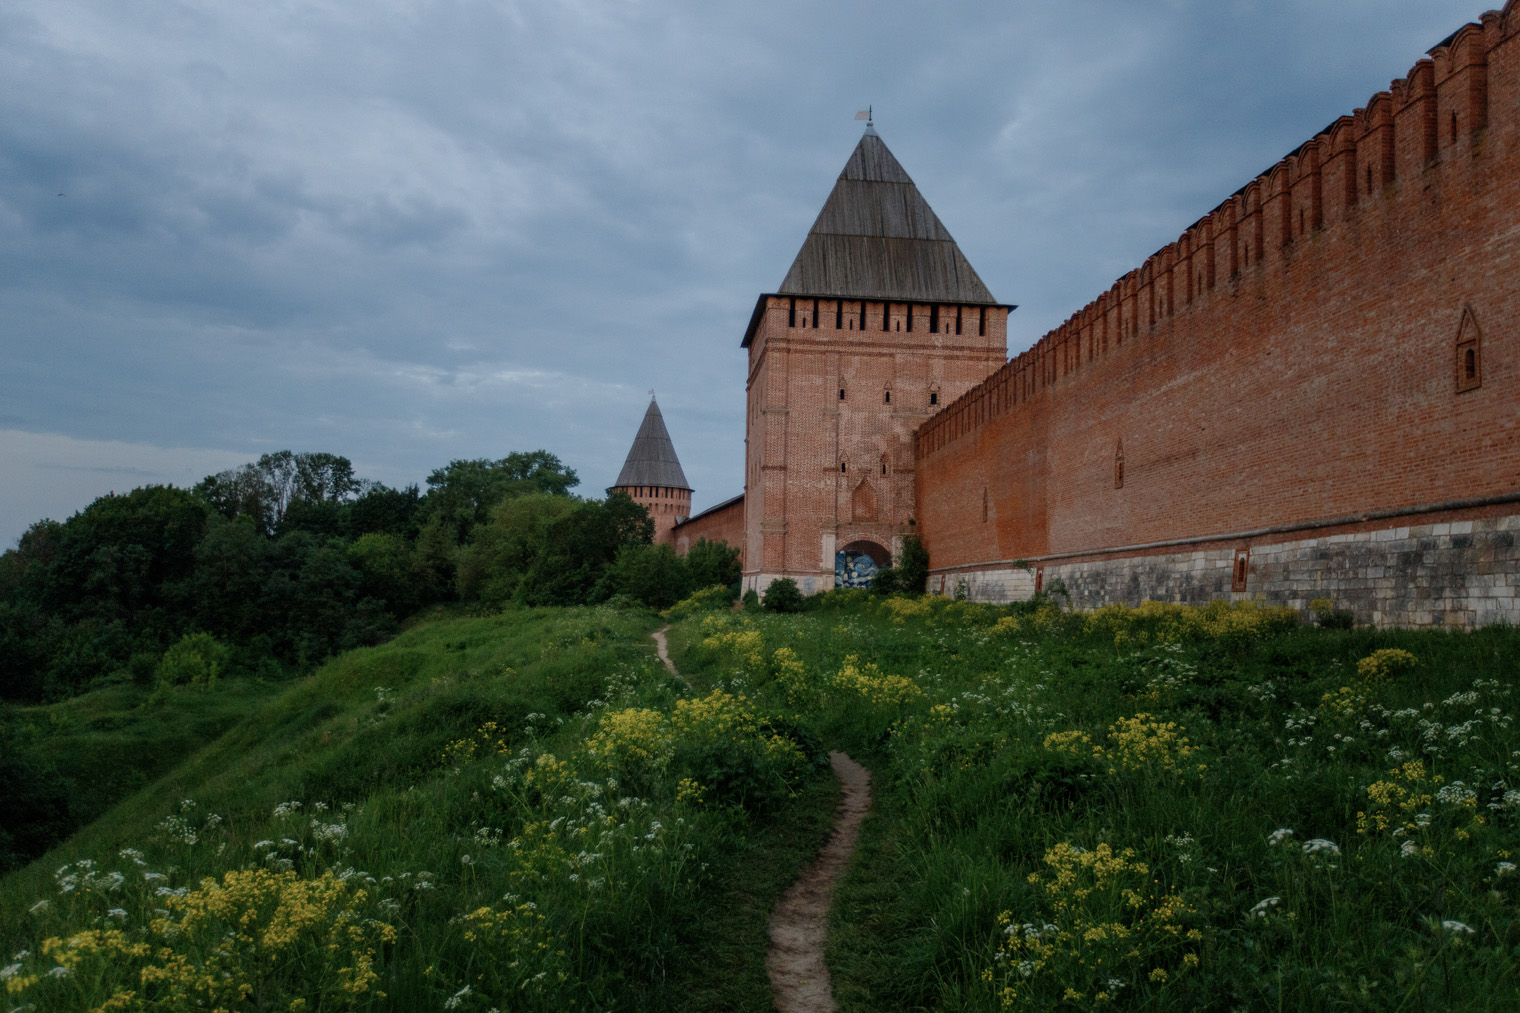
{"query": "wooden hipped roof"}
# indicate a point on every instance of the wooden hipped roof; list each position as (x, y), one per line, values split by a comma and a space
(652, 459)
(877, 239)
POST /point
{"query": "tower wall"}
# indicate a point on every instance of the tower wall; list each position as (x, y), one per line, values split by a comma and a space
(665, 506)
(821, 471)
(1282, 401)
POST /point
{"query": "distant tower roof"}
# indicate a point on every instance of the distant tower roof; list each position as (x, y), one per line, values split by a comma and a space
(652, 460)
(877, 238)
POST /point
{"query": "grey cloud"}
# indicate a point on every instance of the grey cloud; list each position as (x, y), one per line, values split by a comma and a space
(411, 232)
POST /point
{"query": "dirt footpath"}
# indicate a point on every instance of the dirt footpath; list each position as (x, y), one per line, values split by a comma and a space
(799, 977)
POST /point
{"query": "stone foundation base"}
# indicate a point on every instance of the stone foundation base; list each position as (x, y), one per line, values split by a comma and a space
(1458, 574)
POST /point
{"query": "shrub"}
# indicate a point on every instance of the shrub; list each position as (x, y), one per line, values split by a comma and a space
(653, 574)
(712, 563)
(751, 601)
(783, 595)
(1384, 665)
(1170, 622)
(1099, 913)
(708, 599)
(195, 660)
(1330, 617)
(912, 566)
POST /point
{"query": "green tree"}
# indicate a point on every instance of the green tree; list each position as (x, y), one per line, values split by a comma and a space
(499, 555)
(578, 547)
(385, 560)
(711, 563)
(653, 574)
(462, 493)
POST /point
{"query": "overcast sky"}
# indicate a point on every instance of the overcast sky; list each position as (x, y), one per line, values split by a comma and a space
(408, 232)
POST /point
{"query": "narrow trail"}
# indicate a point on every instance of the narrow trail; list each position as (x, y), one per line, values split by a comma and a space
(800, 922)
(799, 977)
(659, 648)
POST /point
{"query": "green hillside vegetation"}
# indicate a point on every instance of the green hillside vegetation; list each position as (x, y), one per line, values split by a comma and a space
(1164, 807)
(523, 811)
(258, 575)
(1161, 808)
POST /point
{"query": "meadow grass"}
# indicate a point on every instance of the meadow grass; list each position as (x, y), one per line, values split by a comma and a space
(440, 823)
(1160, 808)
(1155, 808)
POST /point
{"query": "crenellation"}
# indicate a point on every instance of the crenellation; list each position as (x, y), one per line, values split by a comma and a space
(1269, 416)
(1414, 114)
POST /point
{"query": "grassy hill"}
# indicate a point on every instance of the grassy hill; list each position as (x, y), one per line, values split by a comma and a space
(421, 824)
(1161, 808)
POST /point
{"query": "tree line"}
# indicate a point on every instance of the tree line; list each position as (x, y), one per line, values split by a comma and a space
(271, 567)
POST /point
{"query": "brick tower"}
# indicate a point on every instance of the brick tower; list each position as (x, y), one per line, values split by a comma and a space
(880, 322)
(652, 475)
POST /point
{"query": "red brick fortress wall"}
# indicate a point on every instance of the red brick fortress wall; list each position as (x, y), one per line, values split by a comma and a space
(721, 523)
(1325, 363)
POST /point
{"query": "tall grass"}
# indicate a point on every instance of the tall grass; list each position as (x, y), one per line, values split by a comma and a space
(439, 823)
(1157, 808)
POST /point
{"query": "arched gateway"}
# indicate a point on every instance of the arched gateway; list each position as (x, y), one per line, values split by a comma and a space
(856, 564)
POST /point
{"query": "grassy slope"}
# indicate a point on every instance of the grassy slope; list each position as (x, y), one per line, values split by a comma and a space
(969, 801)
(370, 727)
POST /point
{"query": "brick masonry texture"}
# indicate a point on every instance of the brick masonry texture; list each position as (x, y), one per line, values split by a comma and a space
(1337, 340)
(824, 472)
(722, 523)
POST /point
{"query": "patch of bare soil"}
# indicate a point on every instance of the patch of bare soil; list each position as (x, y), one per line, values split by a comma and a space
(799, 977)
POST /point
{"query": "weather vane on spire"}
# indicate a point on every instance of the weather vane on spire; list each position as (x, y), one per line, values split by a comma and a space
(651, 393)
(864, 114)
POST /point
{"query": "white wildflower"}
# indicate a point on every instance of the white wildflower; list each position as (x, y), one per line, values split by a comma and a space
(1263, 906)
(1279, 836)
(1456, 927)
(454, 1001)
(116, 912)
(63, 972)
(1456, 793)
(1320, 846)
(9, 971)
(1504, 868)
(1408, 849)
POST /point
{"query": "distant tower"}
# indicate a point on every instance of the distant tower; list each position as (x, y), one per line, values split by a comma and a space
(880, 322)
(652, 475)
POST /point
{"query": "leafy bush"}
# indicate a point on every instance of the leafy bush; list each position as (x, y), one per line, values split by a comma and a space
(1330, 617)
(709, 563)
(195, 660)
(653, 574)
(708, 599)
(912, 566)
(783, 595)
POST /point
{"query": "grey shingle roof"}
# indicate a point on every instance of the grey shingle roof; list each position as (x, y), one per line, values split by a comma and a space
(652, 459)
(877, 238)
